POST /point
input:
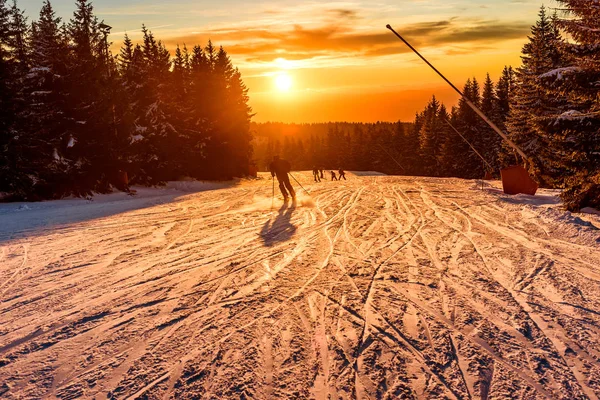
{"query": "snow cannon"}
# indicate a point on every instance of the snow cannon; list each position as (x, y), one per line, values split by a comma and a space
(516, 180)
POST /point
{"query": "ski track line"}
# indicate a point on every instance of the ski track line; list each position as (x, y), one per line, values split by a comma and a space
(368, 300)
(16, 273)
(464, 215)
(401, 341)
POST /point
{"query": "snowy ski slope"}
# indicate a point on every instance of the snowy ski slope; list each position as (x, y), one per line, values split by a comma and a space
(376, 288)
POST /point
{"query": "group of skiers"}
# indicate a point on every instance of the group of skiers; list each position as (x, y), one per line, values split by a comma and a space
(281, 169)
(319, 174)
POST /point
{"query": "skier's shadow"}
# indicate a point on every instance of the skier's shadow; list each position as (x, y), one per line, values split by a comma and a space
(281, 229)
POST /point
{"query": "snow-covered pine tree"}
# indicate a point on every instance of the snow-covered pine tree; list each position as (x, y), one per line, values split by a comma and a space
(198, 126)
(44, 119)
(430, 140)
(531, 105)
(574, 131)
(155, 135)
(8, 160)
(504, 93)
(16, 174)
(92, 144)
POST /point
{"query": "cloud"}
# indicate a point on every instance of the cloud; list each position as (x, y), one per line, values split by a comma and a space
(342, 40)
(344, 13)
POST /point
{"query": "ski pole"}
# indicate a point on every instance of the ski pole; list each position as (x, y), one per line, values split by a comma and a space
(469, 103)
(273, 194)
(299, 183)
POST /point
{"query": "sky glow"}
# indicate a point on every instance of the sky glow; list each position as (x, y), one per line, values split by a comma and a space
(345, 64)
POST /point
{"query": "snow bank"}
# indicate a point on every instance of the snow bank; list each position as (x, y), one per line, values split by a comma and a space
(23, 217)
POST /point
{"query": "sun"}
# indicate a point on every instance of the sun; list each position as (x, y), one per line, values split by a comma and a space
(283, 82)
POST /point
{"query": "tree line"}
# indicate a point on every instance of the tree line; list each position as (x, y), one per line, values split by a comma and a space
(74, 118)
(350, 146)
(428, 146)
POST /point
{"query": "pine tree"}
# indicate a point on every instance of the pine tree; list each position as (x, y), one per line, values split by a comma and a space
(504, 93)
(430, 138)
(505, 89)
(44, 119)
(491, 142)
(19, 38)
(91, 145)
(8, 155)
(531, 105)
(573, 129)
(125, 55)
(464, 162)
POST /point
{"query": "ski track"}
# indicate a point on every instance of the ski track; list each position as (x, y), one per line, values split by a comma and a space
(380, 288)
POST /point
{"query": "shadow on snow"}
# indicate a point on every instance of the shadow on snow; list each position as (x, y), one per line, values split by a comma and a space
(281, 229)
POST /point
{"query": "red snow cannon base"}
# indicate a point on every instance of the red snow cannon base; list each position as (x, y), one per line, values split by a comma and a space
(516, 180)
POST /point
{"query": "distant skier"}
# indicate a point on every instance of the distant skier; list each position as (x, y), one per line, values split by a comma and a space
(316, 174)
(322, 174)
(342, 174)
(333, 177)
(281, 168)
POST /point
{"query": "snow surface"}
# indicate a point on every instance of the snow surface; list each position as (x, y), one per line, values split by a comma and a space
(375, 287)
(136, 138)
(560, 73)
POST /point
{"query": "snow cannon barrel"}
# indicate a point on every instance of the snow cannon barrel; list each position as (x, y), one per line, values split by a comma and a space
(516, 180)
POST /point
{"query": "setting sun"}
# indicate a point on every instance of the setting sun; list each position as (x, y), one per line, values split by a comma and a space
(283, 82)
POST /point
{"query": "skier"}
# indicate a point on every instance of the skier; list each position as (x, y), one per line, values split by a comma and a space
(333, 177)
(316, 174)
(281, 169)
(322, 174)
(342, 174)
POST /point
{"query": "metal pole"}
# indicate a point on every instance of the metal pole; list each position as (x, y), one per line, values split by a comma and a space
(273, 194)
(469, 103)
(299, 183)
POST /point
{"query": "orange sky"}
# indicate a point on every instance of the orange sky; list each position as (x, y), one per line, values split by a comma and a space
(343, 64)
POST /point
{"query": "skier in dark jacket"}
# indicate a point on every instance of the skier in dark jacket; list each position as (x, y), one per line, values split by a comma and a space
(281, 168)
(316, 174)
(333, 177)
(342, 174)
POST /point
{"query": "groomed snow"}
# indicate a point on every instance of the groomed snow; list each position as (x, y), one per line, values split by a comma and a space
(375, 287)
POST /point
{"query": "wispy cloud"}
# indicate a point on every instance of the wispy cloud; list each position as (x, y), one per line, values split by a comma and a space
(299, 42)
